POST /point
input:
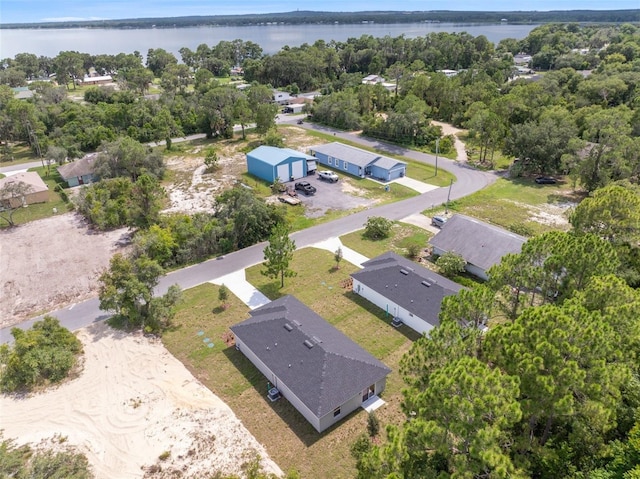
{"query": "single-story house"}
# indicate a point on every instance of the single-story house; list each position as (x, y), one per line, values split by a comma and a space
(22, 93)
(37, 191)
(481, 245)
(319, 370)
(293, 108)
(522, 59)
(372, 79)
(269, 163)
(79, 172)
(97, 80)
(404, 289)
(358, 162)
(281, 97)
(448, 73)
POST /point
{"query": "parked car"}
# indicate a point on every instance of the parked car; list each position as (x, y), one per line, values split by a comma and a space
(328, 176)
(291, 200)
(305, 187)
(545, 180)
(438, 221)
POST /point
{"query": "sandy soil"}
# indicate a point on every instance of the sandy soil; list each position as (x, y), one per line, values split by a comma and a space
(133, 402)
(460, 147)
(50, 263)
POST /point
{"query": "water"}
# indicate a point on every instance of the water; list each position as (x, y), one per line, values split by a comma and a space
(50, 42)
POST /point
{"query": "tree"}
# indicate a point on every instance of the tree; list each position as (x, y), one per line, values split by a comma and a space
(337, 256)
(146, 201)
(377, 228)
(373, 424)
(223, 295)
(278, 254)
(69, 67)
(451, 264)
(41, 355)
(128, 157)
(211, 159)
(126, 288)
(12, 198)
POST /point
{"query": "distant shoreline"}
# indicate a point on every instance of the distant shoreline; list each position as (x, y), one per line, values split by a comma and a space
(316, 18)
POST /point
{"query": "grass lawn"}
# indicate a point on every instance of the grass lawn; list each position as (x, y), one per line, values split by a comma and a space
(38, 211)
(402, 235)
(16, 154)
(289, 439)
(520, 205)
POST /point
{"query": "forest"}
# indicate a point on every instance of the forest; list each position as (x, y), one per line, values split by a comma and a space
(533, 374)
(319, 17)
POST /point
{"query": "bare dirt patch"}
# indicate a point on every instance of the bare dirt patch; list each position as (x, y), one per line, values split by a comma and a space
(51, 263)
(136, 411)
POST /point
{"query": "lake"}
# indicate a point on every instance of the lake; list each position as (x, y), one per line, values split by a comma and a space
(49, 42)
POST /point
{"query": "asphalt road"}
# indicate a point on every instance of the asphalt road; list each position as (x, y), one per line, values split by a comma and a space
(468, 181)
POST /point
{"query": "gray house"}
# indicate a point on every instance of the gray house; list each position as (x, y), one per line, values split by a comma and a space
(319, 370)
(404, 289)
(358, 162)
(481, 245)
(79, 172)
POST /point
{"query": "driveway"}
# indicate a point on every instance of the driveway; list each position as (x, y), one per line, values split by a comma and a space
(330, 196)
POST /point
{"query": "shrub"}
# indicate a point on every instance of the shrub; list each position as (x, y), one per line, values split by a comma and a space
(450, 264)
(373, 424)
(41, 355)
(377, 228)
(413, 250)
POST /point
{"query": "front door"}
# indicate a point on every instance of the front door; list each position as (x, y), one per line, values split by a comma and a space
(367, 393)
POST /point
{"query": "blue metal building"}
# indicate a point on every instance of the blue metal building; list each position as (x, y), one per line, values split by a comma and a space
(269, 163)
(358, 162)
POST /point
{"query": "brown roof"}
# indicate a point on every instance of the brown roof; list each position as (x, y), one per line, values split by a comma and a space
(30, 178)
(83, 166)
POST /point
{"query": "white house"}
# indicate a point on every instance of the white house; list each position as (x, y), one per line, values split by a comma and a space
(404, 289)
(480, 244)
(319, 370)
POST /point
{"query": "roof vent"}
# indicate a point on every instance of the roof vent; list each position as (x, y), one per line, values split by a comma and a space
(431, 280)
(288, 327)
(297, 323)
(426, 283)
(308, 343)
(317, 339)
(404, 271)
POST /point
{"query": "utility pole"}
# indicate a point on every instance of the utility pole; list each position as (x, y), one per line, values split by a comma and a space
(33, 139)
(437, 147)
(446, 207)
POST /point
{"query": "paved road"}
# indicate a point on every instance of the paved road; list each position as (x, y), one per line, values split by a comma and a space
(19, 168)
(468, 181)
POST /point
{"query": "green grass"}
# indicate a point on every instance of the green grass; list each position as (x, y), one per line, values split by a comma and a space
(39, 211)
(402, 235)
(512, 203)
(289, 439)
(17, 154)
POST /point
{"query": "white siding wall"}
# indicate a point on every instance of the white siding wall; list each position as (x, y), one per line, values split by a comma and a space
(476, 271)
(414, 322)
(284, 390)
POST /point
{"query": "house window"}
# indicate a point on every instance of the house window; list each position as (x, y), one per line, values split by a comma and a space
(330, 160)
(336, 412)
(346, 165)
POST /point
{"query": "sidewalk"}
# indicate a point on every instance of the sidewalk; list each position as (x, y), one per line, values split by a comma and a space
(332, 244)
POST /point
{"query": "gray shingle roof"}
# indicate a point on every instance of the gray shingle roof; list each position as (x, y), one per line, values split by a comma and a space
(355, 155)
(403, 282)
(83, 166)
(323, 376)
(479, 243)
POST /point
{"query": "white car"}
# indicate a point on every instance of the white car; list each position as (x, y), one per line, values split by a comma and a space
(328, 176)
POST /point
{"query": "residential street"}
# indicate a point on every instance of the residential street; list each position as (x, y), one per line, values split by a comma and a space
(468, 182)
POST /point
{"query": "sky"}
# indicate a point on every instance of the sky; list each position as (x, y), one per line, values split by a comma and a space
(28, 11)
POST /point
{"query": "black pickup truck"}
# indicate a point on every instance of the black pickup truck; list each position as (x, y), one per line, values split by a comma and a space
(305, 187)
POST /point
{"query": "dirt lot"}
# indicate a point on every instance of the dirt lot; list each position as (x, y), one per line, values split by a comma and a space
(50, 263)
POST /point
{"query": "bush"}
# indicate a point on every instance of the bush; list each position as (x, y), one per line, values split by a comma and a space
(377, 228)
(373, 424)
(450, 264)
(41, 355)
(413, 250)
